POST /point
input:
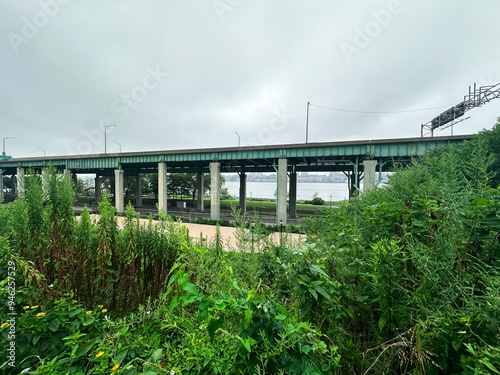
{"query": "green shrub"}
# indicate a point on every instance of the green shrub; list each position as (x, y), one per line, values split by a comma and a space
(317, 201)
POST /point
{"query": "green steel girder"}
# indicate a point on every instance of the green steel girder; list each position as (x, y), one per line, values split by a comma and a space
(253, 158)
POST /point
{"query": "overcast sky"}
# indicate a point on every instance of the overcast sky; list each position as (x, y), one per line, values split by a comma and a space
(176, 74)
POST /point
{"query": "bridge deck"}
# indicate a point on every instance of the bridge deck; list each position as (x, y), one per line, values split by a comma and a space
(324, 156)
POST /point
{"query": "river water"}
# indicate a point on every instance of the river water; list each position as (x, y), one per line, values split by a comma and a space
(305, 190)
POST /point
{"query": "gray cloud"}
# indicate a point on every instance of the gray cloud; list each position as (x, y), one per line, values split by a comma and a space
(232, 73)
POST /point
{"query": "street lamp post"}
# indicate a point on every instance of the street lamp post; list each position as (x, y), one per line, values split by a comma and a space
(3, 152)
(105, 129)
(44, 154)
(238, 138)
(119, 145)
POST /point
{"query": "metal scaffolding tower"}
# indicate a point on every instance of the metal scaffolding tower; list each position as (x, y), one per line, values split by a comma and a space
(452, 116)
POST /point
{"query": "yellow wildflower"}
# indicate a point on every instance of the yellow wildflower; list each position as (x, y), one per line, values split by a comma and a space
(26, 307)
(104, 310)
(100, 306)
(33, 307)
(4, 325)
(40, 314)
(115, 367)
(89, 312)
(99, 354)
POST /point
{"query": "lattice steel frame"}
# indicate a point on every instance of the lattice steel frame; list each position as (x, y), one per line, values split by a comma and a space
(450, 117)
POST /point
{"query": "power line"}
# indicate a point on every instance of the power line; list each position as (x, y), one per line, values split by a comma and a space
(354, 111)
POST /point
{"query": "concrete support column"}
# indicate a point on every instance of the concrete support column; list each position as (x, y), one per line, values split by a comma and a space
(20, 182)
(1, 182)
(369, 167)
(282, 191)
(200, 205)
(293, 194)
(162, 187)
(74, 177)
(97, 189)
(45, 184)
(243, 193)
(13, 183)
(215, 191)
(138, 191)
(119, 190)
(68, 173)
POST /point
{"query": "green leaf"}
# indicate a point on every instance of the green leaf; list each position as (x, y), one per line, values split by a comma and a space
(54, 325)
(316, 269)
(306, 306)
(204, 306)
(470, 348)
(191, 288)
(175, 301)
(456, 344)
(246, 344)
(214, 326)
(323, 292)
(314, 294)
(23, 342)
(35, 339)
(282, 309)
(156, 356)
(248, 318)
(489, 365)
(75, 312)
(89, 320)
(121, 356)
(381, 322)
(305, 278)
(82, 350)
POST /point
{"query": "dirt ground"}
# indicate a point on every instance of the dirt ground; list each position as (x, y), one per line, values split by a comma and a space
(228, 234)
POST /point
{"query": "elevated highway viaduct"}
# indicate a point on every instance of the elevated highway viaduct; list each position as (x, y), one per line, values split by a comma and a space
(357, 159)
